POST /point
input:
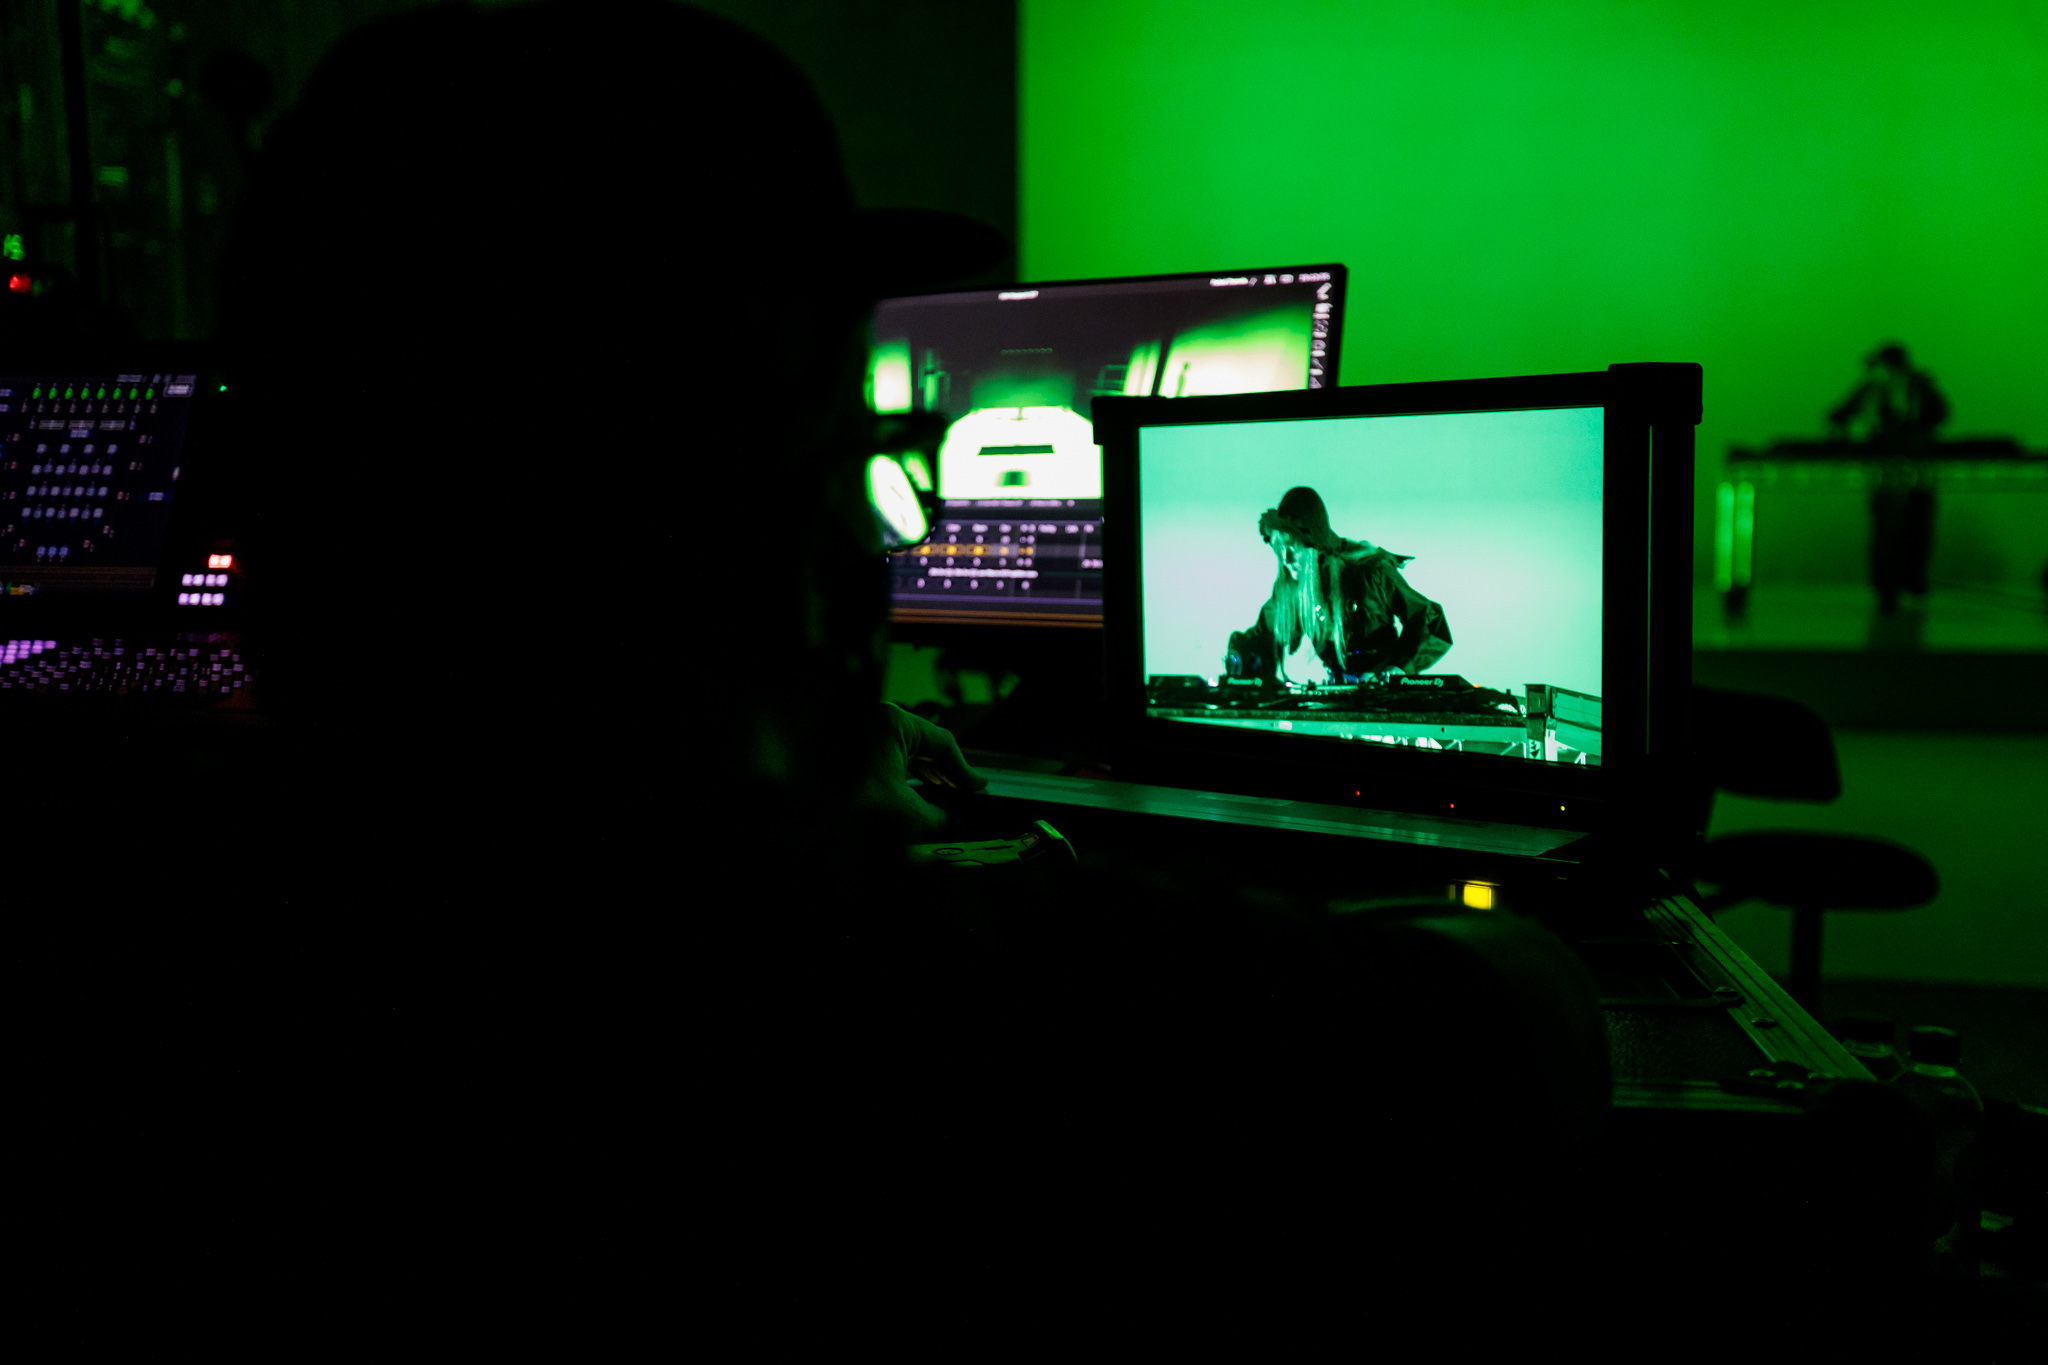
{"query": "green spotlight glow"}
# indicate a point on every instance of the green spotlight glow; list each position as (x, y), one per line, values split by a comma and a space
(1240, 355)
(1724, 537)
(1745, 533)
(889, 376)
(919, 470)
(895, 503)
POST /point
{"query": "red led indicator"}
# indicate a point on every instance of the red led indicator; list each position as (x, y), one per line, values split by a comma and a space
(220, 561)
(19, 284)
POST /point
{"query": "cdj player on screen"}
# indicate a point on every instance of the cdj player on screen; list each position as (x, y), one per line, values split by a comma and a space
(1347, 598)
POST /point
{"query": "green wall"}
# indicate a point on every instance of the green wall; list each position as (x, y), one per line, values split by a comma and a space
(1520, 188)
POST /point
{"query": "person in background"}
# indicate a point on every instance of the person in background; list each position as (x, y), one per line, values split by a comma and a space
(1896, 410)
(1895, 404)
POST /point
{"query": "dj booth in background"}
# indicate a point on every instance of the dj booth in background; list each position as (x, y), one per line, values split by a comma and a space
(1758, 477)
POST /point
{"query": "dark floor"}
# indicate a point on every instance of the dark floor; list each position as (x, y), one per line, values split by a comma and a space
(2004, 1028)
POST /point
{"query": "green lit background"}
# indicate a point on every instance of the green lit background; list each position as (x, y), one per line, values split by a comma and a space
(1767, 189)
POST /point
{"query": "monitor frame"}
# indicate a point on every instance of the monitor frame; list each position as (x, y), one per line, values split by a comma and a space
(936, 623)
(1650, 412)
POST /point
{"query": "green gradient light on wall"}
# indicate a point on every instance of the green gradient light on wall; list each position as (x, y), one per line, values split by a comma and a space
(1240, 355)
(889, 376)
(1768, 189)
(1734, 534)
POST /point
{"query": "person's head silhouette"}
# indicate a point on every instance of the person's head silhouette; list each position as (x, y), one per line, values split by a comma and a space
(550, 321)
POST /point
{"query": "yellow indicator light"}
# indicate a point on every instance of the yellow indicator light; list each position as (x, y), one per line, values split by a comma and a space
(1476, 895)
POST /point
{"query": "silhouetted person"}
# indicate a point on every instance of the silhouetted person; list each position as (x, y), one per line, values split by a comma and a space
(1896, 410)
(530, 310)
(569, 966)
(1894, 405)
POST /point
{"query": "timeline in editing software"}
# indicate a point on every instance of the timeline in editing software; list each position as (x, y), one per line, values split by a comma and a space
(1007, 558)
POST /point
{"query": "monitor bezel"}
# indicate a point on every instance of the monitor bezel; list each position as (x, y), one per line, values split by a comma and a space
(925, 621)
(1649, 415)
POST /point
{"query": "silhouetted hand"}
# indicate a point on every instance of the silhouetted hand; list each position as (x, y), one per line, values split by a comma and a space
(914, 747)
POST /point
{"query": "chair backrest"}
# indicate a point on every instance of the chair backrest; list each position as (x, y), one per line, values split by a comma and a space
(1757, 745)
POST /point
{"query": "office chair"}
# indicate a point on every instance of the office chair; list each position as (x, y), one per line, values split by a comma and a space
(1777, 749)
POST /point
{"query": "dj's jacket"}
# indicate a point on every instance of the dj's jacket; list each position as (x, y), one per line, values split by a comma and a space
(1375, 597)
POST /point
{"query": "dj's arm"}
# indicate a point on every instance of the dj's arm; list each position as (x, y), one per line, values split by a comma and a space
(1425, 635)
(1847, 410)
(1253, 653)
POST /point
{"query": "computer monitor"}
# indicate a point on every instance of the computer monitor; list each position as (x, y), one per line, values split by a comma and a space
(90, 461)
(118, 583)
(94, 447)
(1468, 599)
(1017, 538)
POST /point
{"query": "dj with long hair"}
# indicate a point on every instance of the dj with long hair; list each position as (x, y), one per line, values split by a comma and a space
(1347, 598)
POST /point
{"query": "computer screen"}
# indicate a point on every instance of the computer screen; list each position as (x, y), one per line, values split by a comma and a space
(1466, 598)
(1431, 581)
(1017, 538)
(88, 465)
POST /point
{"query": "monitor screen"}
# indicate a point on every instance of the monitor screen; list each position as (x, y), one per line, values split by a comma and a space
(1432, 581)
(88, 464)
(1017, 535)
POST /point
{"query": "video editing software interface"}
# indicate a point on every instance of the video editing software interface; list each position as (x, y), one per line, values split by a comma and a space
(1429, 581)
(1018, 534)
(89, 463)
